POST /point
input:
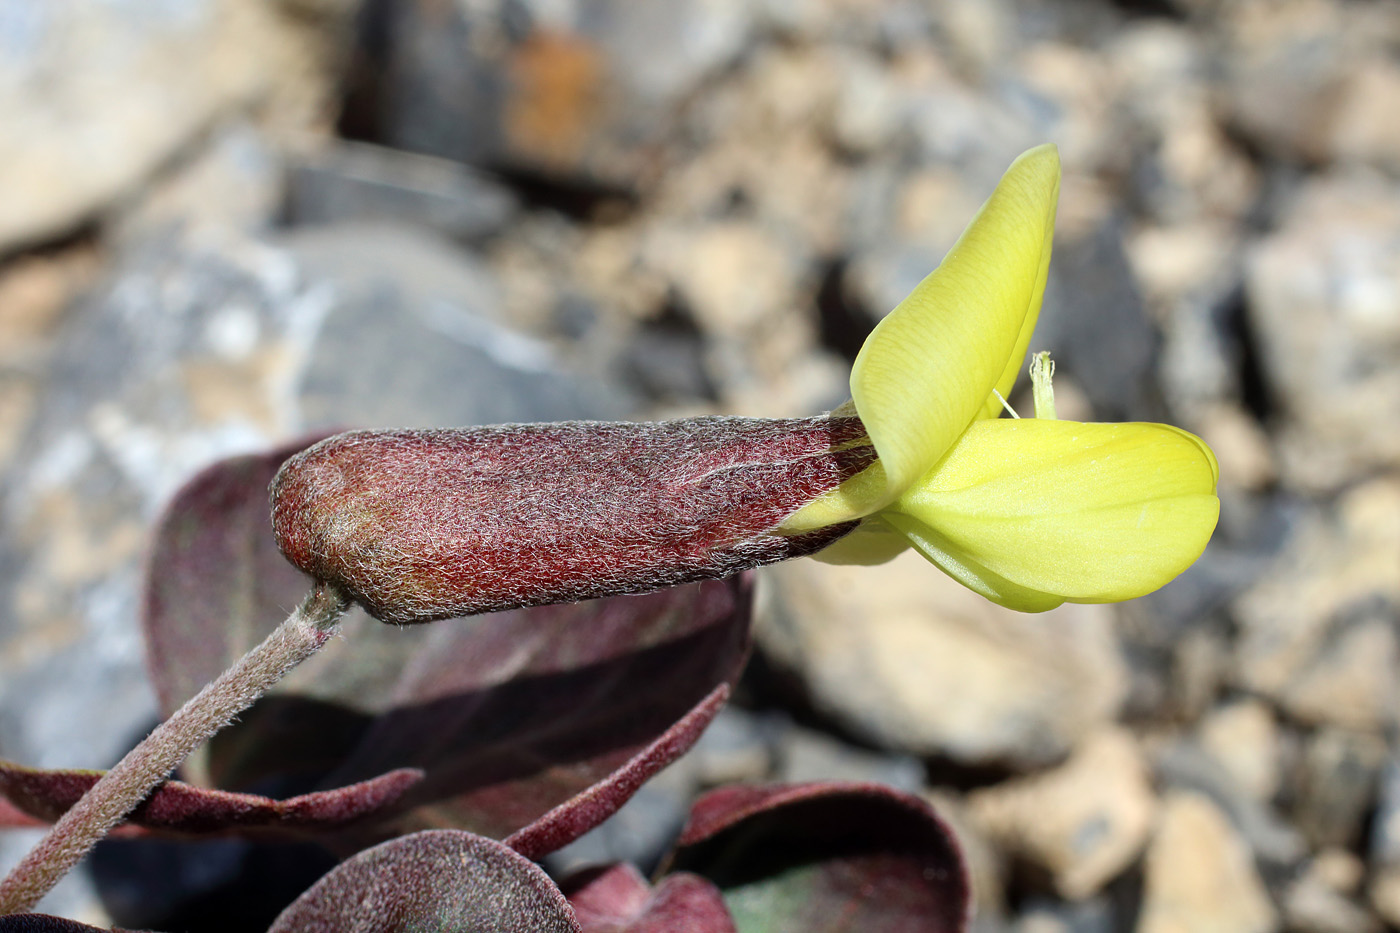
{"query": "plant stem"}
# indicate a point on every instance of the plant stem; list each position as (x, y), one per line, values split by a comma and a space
(148, 764)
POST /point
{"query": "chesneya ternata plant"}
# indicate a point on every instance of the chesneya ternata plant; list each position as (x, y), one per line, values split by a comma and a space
(1029, 512)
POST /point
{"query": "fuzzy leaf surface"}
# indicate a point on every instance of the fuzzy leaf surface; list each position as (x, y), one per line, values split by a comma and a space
(617, 899)
(37, 797)
(522, 711)
(440, 881)
(828, 858)
(591, 806)
(43, 923)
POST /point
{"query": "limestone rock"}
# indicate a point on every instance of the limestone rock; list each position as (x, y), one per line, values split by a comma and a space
(1084, 821)
(735, 276)
(1336, 788)
(1384, 894)
(1316, 633)
(912, 660)
(348, 182)
(806, 755)
(1186, 170)
(1289, 62)
(1241, 446)
(1323, 296)
(1384, 846)
(1243, 738)
(98, 96)
(1366, 125)
(985, 865)
(426, 318)
(584, 94)
(1200, 876)
(1319, 900)
(1184, 766)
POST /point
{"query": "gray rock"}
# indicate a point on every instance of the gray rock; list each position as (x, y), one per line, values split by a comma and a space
(902, 226)
(231, 180)
(1317, 631)
(1243, 737)
(985, 866)
(1095, 325)
(1185, 766)
(1184, 168)
(1083, 822)
(805, 755)
(740, 746)
(411, 336)
(98, 96)
(666, 363)
(747, 286)
(582, 91)
(357, 182)
(1191, 276)
(1095, 915)
(1292, 72)
(1384, 845)
(1320, 899)
(1323, 296)
(641, 831)
(1366, 124)
(1336, 789)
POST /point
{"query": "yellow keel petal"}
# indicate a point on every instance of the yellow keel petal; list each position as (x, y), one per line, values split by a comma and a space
(1030, 512)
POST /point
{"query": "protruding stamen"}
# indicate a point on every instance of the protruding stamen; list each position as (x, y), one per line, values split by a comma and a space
(1042, 370)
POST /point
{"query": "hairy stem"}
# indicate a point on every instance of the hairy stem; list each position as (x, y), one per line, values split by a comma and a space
(121, 789)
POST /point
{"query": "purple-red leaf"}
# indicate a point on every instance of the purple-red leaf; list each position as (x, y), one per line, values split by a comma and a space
(216, 584)
(823, 858)
(12, 817)
(592, 806)
(508, 715)
(43, 923)
(42, 796)
(440, 881)
(617, 899)
(514, 713)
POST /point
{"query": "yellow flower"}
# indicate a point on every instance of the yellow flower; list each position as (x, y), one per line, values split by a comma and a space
(1029, 512)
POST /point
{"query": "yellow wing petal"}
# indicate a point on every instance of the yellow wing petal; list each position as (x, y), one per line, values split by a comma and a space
(1030, 513)
(930, 366)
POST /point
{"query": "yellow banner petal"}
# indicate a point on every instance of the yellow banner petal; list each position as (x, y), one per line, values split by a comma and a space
(929, 367)
(1033, 512)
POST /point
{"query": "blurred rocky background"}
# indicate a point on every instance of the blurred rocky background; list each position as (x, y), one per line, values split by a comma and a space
(224, 223)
